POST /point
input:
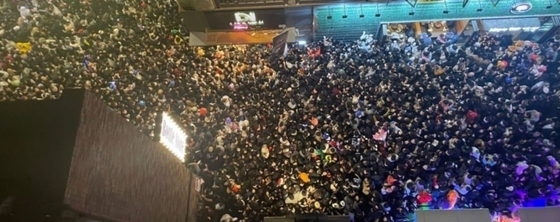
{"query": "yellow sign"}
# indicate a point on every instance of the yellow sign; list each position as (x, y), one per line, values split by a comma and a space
(23, 47)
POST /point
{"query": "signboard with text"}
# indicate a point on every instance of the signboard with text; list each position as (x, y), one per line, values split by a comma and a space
(246, 20)
(173, 137)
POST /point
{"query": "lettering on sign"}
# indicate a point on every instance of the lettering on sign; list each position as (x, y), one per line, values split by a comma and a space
(244, 20)
(173, 137)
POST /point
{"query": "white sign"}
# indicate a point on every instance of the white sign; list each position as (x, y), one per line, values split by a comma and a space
(173, 137)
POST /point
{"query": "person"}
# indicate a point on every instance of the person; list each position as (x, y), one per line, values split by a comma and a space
(426, 38)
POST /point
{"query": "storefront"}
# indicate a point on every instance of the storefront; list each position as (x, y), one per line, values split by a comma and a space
(257, 26)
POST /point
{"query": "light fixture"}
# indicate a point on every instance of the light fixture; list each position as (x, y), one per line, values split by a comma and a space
(412, 6)
(446, 10)
(550, 3)
(377, 6)
(329, 16)
(361, 11)
(479, 7)
(345, 15)
(520, 7)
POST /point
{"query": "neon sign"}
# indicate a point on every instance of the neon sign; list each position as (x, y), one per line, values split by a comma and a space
(244, 20)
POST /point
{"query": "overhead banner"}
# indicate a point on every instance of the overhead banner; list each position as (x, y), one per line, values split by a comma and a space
(280, 45)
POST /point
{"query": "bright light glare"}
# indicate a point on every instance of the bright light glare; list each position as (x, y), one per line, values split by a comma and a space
(518, 8)
(302, 42)
(173, 137)
(521, 8)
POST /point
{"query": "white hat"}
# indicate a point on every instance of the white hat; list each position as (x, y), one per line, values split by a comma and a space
(317, 205)
(265, 152)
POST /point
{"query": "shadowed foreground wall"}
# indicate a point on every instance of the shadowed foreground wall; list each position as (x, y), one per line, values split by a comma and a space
(75, 153)
(36, 143)
(193, 199)
(121, 174)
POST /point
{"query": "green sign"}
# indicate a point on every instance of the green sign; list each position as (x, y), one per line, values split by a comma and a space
(401, 12)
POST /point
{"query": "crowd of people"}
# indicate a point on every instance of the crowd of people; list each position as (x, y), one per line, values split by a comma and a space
(369, 129)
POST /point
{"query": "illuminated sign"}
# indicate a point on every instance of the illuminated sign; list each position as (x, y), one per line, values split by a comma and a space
(521, 7)
(173, 137)
(514, 29)
(240, 26)
(244, 20)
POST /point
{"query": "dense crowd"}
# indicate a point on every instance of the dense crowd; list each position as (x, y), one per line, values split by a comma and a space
(369, 129)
